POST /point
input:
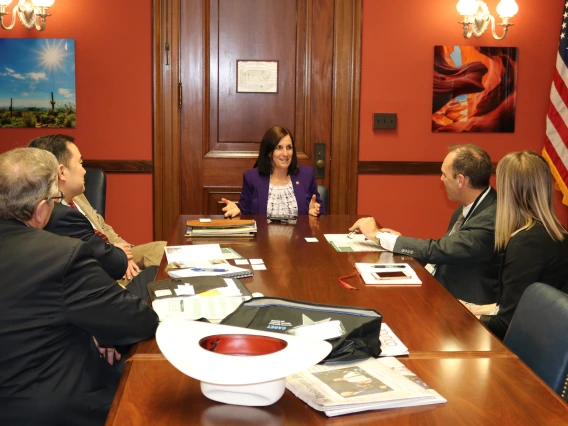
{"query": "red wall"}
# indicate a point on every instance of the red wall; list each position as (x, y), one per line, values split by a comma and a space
(114, 99)
(113, 60)
(396, 76)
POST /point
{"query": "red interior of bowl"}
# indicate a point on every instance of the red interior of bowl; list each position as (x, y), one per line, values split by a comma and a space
(242, 344)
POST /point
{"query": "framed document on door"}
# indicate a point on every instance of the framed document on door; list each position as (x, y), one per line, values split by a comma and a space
(257, 76)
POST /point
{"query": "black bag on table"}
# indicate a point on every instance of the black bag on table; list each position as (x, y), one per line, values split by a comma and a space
(362, 326)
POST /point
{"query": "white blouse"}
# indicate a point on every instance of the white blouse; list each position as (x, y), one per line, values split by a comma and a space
(282, 201)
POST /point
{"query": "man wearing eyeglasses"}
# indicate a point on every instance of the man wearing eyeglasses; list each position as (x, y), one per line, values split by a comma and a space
(54, 298)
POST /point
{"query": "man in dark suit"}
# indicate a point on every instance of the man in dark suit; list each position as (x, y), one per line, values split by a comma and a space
(71, 180)
(55, 299)
(68, 222)
(464, 259)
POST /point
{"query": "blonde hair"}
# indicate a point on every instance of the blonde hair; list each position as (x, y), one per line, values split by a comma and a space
(524, 197)
(27, 176)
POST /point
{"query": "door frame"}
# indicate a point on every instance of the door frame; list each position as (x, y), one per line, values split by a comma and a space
(167, 106)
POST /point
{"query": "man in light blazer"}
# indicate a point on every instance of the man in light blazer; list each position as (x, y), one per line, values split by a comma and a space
(72, 183)
(464, 259)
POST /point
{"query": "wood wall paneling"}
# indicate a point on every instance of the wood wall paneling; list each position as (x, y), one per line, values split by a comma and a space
(249, 30)
(121, 166)
(216, 136)
(403, 167)
(166, 26)
(233, 123)
(345, 110)
(213, 195)
(194, 76)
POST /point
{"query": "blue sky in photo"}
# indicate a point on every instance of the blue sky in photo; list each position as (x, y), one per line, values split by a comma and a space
(30, 69)
(456, 56)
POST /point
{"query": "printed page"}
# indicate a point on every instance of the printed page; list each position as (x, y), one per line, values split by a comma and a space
(358, 243)
(390, 343)
(192, 308)
(365, 384)
(190, 256)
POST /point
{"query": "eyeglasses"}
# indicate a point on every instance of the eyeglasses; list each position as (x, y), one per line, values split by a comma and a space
(59, 197)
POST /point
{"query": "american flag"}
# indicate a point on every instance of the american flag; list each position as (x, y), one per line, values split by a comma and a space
(556, 143)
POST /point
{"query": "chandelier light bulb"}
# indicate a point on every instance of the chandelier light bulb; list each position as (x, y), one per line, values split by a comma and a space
(42, 3)
(467, 7)
(507, 8)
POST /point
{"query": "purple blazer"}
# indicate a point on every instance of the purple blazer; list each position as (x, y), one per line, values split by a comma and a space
(254, 196)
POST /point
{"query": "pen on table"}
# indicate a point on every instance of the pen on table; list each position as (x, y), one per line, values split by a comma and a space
(389, 266)
(209, 269)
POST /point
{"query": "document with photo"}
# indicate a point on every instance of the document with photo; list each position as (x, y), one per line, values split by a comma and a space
(371, 384)
(191, 256)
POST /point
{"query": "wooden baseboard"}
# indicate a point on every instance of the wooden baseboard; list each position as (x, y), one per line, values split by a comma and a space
(121, 166)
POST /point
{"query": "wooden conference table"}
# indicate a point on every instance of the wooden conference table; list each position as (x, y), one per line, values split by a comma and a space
(450, 350)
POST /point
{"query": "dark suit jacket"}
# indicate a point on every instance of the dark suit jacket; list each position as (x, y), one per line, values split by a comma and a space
(69, 222)
(254, 196)
(54, 297)
(467, 264)
(531, 256)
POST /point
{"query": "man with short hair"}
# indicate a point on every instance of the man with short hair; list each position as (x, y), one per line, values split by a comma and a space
(463, 260)
(71, 181)
(54, 298)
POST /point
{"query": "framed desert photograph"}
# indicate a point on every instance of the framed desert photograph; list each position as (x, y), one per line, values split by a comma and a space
(474, 89)
(37, 83)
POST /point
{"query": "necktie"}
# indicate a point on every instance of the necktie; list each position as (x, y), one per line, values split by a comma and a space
(458, 224)
(430, 267)
(99, 233)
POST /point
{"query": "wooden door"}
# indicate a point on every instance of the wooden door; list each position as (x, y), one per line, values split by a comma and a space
(316, 44)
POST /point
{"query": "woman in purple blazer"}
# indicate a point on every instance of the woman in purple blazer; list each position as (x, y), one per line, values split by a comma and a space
(277, 186)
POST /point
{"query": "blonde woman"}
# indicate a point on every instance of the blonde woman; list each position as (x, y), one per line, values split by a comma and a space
(527, 232)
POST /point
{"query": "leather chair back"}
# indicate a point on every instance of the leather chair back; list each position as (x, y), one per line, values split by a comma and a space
(323, 196)
(538, 334)
(95, 189)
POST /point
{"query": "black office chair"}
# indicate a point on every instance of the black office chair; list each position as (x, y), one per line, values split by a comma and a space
(95, 189)
(538, 334)
(323, 196)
